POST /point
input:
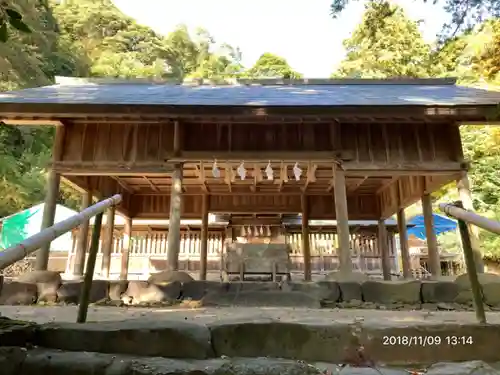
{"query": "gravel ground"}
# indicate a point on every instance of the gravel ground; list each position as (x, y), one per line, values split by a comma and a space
(44, 314)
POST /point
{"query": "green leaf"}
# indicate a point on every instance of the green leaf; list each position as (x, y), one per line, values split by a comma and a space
(4, 34)
(13, 14)
(19, 25)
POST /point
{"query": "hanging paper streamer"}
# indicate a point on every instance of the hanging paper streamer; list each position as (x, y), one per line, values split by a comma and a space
(297, 172)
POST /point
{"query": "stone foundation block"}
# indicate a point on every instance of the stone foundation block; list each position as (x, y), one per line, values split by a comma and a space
(250, 286)
(36, 277)
(172, 339)
(196, 290)
(144, 292)
(323, 290)
(490, 284)
(350, 291)
(169, 277)
(280, 339)
(17, 293)
(69, 292)
(117, 289)
(261, 299)
(439, 291)
(392, 292)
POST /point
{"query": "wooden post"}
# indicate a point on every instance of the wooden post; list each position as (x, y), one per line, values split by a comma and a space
(52, 195)
(89, 272)
(464, 192)
(126, 248)
(306, 248)
(432, 244)
(82, 241)
(107, 246)
(204, 237)
(342, 218)
(403, 243)
(383, 245)
(174, 220)
(471, 269)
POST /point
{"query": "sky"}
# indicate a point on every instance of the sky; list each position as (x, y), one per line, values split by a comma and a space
(302, 31)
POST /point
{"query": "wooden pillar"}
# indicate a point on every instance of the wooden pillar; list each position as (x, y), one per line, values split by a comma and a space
(174, 220)
(126, 248)
(432, 244)
(463, 186)
(107, 246)
(306, 248)
(204, 237)
(83, 237)
(403, 243)
(342, 219)
(52, 195)
(383, 245)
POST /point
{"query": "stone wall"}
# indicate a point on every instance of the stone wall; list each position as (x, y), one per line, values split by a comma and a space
(369, 294)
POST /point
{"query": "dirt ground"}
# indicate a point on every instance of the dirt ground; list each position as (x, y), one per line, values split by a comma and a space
(44, 314)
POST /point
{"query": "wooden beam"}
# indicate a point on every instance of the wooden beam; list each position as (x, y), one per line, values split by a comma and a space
(386, 184)
(28, 122)
(204, 237)
(124, 185)
(306, 248)
(342, 218)
(113, 169)
(251, 157)
(354, 187)
(126, 248)
(150, 183)
(384, 169)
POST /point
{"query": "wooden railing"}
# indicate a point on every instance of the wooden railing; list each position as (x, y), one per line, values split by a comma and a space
(149, 251)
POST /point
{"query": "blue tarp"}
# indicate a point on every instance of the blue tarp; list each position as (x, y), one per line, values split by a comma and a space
(442, 224)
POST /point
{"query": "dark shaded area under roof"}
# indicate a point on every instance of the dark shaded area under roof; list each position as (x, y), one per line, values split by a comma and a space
(418, 92)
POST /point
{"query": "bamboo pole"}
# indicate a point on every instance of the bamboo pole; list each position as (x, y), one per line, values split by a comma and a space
(83, 305)
(470, 217)
(33, 243)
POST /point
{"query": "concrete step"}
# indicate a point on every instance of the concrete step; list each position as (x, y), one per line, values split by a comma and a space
(333, 342)
(20, 361)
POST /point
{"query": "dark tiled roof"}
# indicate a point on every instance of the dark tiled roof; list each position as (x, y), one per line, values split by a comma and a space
(338, 93)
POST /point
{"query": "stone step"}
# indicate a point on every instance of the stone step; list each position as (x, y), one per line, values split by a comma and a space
(307, 341)
(20, 361)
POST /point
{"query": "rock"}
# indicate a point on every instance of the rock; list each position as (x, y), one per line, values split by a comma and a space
(36, 277)
(439, 291)
(265, 338)
(47, 292)
(117, 289)
(171, 339)
(69, 292)
(391, 292)
(490, 284)
(16, 293)
(169, 276)
(350, 290)
(323, 290)
(462, 368)
(142, 292)
(197, 289)
(261, 299)
(250, 286)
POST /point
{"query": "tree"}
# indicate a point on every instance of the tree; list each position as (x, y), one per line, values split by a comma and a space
(464, 13)
(385, 44)
(272, 66)
(10, 17)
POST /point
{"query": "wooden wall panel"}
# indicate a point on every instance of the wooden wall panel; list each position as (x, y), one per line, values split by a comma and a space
(362, 207)
(374, 142)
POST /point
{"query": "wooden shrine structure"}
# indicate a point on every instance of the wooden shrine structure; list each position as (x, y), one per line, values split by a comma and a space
(341, 150)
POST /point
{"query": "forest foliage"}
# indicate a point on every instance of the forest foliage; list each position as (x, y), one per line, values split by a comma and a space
(92, 38)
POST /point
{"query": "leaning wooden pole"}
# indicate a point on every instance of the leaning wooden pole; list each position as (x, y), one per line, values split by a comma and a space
(20, 251)
(83, 305)
(477, 293)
